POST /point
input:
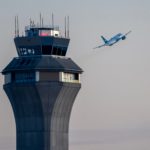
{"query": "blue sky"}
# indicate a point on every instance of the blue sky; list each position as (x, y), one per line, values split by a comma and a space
(115, 82)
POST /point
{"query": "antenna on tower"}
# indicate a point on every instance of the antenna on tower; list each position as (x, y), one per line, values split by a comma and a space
(52, 20)
(65, 26)
(40, 20)
(17, 26)
(68, 26)
(30, 22)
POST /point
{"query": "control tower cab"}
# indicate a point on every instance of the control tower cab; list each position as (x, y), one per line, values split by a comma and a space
(41, 40)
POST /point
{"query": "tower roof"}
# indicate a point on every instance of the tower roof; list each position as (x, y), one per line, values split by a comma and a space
(42, 63)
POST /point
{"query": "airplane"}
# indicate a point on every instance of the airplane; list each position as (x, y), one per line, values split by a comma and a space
(113, 40)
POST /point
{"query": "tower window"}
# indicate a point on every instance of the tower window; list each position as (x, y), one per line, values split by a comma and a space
(24, 77)
(54, 52)
(46, 49)
(7, 78)
(76, 76)
(70, 77)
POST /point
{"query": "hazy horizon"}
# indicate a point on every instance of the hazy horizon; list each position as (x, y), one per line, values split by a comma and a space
(92, 139)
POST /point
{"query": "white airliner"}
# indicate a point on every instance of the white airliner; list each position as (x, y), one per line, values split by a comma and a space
(113, 40)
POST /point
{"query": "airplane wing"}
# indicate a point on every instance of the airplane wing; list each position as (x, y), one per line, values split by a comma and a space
(99, 46)
(127, 33)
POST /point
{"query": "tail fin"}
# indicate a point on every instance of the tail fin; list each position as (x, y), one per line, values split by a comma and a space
(104, 39)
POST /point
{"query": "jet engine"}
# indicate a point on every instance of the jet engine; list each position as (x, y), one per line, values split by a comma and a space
(123, 38)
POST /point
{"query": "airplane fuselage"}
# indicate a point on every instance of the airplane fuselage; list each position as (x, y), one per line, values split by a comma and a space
(115, 39)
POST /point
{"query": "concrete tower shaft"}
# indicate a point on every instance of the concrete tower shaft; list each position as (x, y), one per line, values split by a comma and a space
(42, 111)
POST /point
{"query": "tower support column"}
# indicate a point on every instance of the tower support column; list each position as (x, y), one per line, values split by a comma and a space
(42, 112)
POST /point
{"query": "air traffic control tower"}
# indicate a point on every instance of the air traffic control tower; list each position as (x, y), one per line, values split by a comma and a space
(42, 84)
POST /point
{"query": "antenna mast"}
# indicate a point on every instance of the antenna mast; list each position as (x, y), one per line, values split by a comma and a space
(30, 22)
(40, 20)
(52, 20)
(17, 26)
(68, 26)
(65, 26)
